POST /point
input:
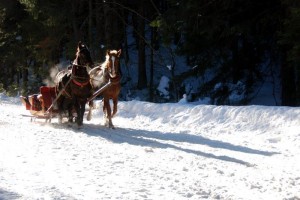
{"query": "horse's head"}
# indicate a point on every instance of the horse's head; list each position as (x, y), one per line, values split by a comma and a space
(83, 55)
(82, 63)
(113, 62)
(108, 70)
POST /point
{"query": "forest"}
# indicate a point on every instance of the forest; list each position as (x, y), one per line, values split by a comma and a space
(225, 46)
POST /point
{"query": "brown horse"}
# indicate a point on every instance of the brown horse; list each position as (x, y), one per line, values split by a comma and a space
(108, 71)
(74, 85)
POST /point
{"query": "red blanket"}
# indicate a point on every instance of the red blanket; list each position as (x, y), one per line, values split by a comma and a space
(48, 94)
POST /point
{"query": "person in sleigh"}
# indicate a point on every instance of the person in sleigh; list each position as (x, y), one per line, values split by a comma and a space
(38, 104)
(34, 103)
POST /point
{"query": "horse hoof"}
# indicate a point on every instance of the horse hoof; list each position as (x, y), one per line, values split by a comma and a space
(111, 126)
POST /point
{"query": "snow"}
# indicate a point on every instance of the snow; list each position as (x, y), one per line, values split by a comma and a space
(163, 87)
(183, 100)
(157, 151)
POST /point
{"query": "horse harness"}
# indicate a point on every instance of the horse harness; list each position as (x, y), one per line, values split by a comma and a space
(74, 77)
(115, 80)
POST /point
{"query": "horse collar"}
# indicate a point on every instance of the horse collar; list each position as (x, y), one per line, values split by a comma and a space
(80, 84)
(115, 80)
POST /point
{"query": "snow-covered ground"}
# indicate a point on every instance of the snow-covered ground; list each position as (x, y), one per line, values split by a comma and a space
(157, 151)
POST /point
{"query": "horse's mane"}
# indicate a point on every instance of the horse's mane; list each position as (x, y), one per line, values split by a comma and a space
(104, 64)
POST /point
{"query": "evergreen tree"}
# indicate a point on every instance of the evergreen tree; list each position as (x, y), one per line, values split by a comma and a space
(233, 37)
(290, 50)
(14, 48)
(240, 40)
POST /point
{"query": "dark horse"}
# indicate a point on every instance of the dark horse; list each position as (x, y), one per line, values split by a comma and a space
(108, 71)
(74, 85)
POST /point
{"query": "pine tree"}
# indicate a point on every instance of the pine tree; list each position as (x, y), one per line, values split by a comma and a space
(290, 49)
(233, 37)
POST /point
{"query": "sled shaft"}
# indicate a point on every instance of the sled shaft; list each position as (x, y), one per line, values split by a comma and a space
(99, 91)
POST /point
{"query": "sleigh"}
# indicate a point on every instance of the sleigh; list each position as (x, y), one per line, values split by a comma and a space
(43, 105)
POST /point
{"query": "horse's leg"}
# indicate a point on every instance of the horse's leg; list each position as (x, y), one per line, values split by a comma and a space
(91, 107)
(104, 112)
(82, 110)
(70, 113)
(108, 113)
(60, 102)
(78, 110)
(115, 102)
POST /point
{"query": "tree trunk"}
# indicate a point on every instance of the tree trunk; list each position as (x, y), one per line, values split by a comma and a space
(100, 36)
(288, 93)
(126, 51)
(235, 61)
(91, 28)
(297, 82)
(142, 77)
(108, 24)
(24, 90)
(74, 22)
(174, 82)
(151, 90)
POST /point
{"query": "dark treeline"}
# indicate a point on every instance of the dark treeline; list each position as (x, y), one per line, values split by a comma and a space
(240, 40)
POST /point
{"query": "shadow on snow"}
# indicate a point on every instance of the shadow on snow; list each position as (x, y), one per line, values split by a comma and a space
(5, 194)
(155, 139)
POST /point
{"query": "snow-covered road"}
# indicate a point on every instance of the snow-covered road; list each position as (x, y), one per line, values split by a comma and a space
(157, 151)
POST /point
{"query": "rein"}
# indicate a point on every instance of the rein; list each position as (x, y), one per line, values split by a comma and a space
(58, 95)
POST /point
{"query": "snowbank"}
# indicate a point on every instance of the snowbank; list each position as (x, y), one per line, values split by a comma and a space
(157, 151)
